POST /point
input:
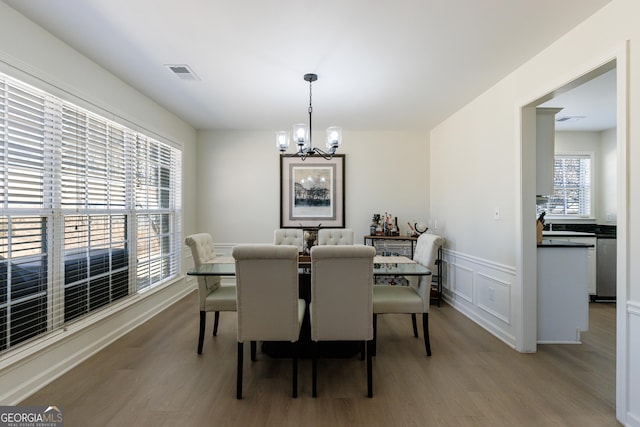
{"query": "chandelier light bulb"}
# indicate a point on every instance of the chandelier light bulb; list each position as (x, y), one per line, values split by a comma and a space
(334, 138)
(300, 134)
(282, 140)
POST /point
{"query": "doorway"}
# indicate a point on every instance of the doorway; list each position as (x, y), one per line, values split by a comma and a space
(528, 262)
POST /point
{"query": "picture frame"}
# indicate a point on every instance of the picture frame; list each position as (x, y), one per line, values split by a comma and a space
(312, 192)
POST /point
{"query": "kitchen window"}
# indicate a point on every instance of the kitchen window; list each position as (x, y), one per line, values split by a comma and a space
(89, 212)
(572, 187)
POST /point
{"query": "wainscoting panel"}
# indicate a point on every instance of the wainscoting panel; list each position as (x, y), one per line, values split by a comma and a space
(483, 291)
(493, 297)
(462, 285)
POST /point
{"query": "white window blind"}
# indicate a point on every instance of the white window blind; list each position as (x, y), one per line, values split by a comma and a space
(571, 186)
(24, 149)
(89, 212)
(23, 223)
(157, 171)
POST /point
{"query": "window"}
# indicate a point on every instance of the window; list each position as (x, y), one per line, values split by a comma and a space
(571, 187)
(89, 212)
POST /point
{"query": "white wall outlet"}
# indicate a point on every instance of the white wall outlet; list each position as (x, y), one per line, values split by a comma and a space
(496, 214)
(492, 294)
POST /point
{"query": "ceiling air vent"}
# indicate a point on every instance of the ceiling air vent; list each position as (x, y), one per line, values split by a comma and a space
(570, 118)
(182, 71)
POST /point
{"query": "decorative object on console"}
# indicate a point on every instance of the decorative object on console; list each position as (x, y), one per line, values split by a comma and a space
(420, 227)
(375, 222)
(303, 135)
(540, 227)
(384, 225)
(310, 239)
(417, 228)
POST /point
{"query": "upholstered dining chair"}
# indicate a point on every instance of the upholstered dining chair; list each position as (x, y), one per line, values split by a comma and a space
(212, 294)
(269, 308)
(335, 236)
(289, 236)
(412, 299)
(341, 307)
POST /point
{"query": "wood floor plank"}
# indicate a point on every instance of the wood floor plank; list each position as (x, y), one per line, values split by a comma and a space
(154, 377)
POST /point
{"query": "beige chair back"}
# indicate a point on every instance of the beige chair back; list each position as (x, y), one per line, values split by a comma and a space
(267, 292)
(426, 253)
(289, 236)
(202, 248)
(341, 293)
(202, 252)
(335, 236)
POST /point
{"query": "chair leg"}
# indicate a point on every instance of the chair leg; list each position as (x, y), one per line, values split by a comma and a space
(203, 320)
(425, 332)
(253, 351)
(239, 379)
(415, 325)
(294, 363)
(375, 334)
(314, 368)
(369, 369)
(216, 318)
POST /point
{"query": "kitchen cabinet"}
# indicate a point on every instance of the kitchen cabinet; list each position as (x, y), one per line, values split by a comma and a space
(580, 237)
(545, 149)
(563, 303)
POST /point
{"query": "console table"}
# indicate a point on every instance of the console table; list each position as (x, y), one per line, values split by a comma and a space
(373, 239)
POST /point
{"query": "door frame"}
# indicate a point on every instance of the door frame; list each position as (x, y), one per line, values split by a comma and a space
(526, 261)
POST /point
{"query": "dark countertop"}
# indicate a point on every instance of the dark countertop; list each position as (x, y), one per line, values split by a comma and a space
(559, 243)
(600, 230)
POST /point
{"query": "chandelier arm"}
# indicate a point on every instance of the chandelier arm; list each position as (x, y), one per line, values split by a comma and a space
(324, 154)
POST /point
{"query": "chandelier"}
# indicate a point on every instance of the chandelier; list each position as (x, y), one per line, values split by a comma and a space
(303, 138)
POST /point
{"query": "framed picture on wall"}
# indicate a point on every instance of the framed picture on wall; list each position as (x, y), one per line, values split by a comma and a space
(311, 192)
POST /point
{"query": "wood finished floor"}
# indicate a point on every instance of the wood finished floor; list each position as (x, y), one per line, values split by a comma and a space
(153, 377)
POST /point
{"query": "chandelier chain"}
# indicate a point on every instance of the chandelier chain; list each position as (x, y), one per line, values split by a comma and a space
(310, 113)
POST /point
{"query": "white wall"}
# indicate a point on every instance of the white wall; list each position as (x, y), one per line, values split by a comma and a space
(239, 180)
(476, 165)
(608, 168)
(32, 55)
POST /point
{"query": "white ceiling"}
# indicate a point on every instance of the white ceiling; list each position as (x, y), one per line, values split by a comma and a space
(588, 107)
(382, 64)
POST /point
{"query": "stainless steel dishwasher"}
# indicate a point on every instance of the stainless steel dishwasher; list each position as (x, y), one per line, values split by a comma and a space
(606, 267)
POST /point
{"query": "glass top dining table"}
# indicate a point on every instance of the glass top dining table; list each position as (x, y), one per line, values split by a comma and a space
(382, 266)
